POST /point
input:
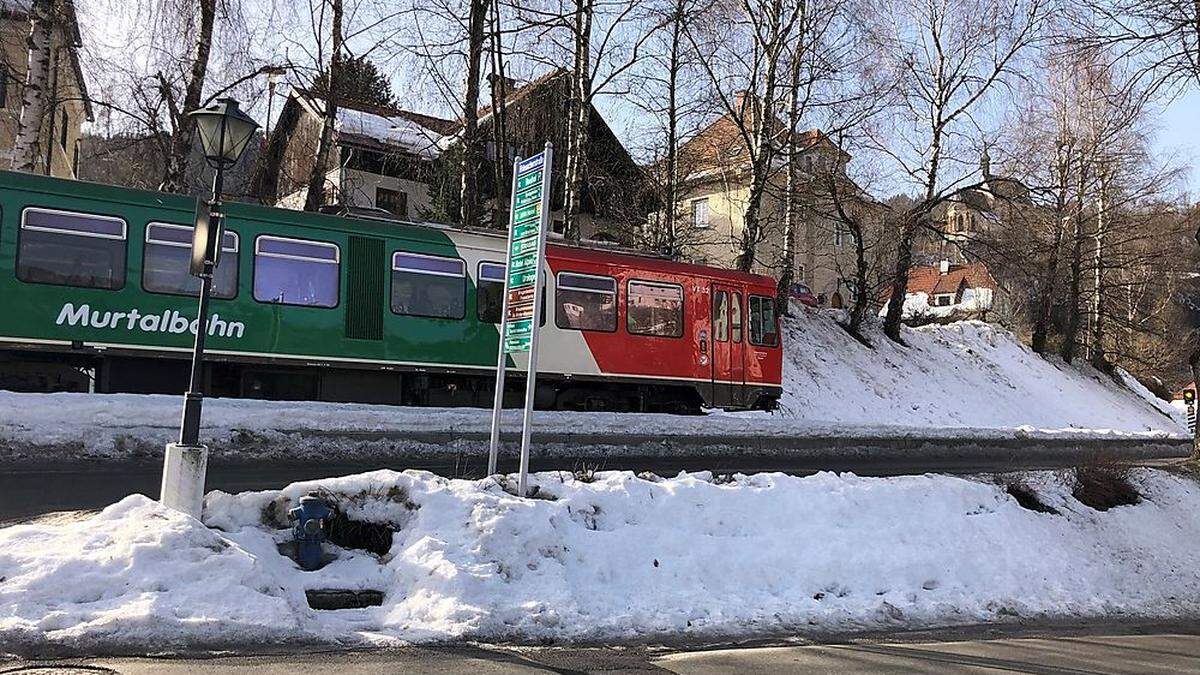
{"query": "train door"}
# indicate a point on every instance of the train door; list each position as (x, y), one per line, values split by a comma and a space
(728, 372)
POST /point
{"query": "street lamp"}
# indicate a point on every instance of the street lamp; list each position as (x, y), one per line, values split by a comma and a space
(224, 131)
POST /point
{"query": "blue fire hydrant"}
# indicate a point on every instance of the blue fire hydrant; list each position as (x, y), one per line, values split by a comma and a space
(309, 532)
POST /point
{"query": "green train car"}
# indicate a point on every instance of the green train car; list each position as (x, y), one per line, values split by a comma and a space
(95, 296)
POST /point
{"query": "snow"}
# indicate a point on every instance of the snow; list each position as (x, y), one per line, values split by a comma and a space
(392, 130)
(918, 305)
(967, 374)
(964, 380)
(619, 558)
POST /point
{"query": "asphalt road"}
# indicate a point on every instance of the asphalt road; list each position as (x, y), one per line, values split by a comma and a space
(1173, 649)
(28, 490)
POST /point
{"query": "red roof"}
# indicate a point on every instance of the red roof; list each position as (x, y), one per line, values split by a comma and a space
(932, 281)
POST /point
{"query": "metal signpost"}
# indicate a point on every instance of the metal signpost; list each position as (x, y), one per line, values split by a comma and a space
(521, 313)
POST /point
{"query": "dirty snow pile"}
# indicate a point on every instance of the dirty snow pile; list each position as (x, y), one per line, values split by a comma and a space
(618, 557)
(963, 374)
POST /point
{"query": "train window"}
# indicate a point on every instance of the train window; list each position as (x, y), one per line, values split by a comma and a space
(654, 309)
(489, 292)
(586, 302)
(427, 285)
(762, 321)
(735, 321)
(71, 249)
(296, 271)
(168, 255)
(720, 316)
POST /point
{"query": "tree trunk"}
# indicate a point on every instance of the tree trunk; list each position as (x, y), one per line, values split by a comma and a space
(499, 91)
(669, 243)
(791, 186)
(42, 15)
(895, 307)
(1041, 326)
(1071, 334)
(469, 192)
(579, 115)
(1096, 339)
(325, 150)
(175, 179)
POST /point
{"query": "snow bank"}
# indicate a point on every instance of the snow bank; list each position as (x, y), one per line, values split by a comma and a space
(620, 558)
(965, 374)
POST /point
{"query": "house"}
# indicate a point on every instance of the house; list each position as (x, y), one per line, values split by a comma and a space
(399, 161)
(947, 292)
(977, 214)
(715, 166)
(615, 195)
(383, 157)
(67, 104)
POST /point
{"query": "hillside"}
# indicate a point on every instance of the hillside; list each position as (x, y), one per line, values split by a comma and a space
(963, 375)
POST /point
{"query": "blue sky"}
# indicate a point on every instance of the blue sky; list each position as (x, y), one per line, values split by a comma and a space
(1179, 134)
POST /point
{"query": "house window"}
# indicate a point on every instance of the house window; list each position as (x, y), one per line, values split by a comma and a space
(839, 234)
(943, 300)
(296, 271)
(71, 249)
(586, 302)
(959, 223)
(392, 201)
(762, 321)
(62, 132)
(3, 89)
(168, 255)
(808, 163)
(428, 285)
(800, 272)
(700, 212)
(655, 309)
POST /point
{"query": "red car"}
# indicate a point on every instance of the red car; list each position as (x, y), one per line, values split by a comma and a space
(803, 295)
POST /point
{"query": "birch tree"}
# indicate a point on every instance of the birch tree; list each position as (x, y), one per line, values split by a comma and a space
(44, 16)
(746, 81)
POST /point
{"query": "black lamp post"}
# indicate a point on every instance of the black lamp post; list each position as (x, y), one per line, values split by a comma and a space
(225, 131)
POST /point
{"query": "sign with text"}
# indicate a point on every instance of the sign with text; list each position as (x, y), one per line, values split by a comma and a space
(525, 250)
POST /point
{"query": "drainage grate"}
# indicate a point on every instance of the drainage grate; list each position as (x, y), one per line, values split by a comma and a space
(343, 599)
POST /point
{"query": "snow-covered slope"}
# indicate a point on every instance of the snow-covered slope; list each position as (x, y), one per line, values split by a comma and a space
(619, 558)
(966, 374)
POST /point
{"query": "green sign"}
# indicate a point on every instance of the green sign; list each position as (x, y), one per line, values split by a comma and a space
(524, 251)
(529, 180)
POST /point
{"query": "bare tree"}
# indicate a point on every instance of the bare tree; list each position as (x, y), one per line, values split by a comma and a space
(175, 179)
(751, 68)
(949, 57)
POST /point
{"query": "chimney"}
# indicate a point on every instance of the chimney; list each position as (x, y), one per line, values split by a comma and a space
(944, 267)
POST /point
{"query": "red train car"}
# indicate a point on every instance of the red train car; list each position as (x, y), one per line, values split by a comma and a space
(622, 323)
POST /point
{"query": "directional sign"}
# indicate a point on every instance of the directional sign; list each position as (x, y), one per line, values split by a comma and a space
(525, 251)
